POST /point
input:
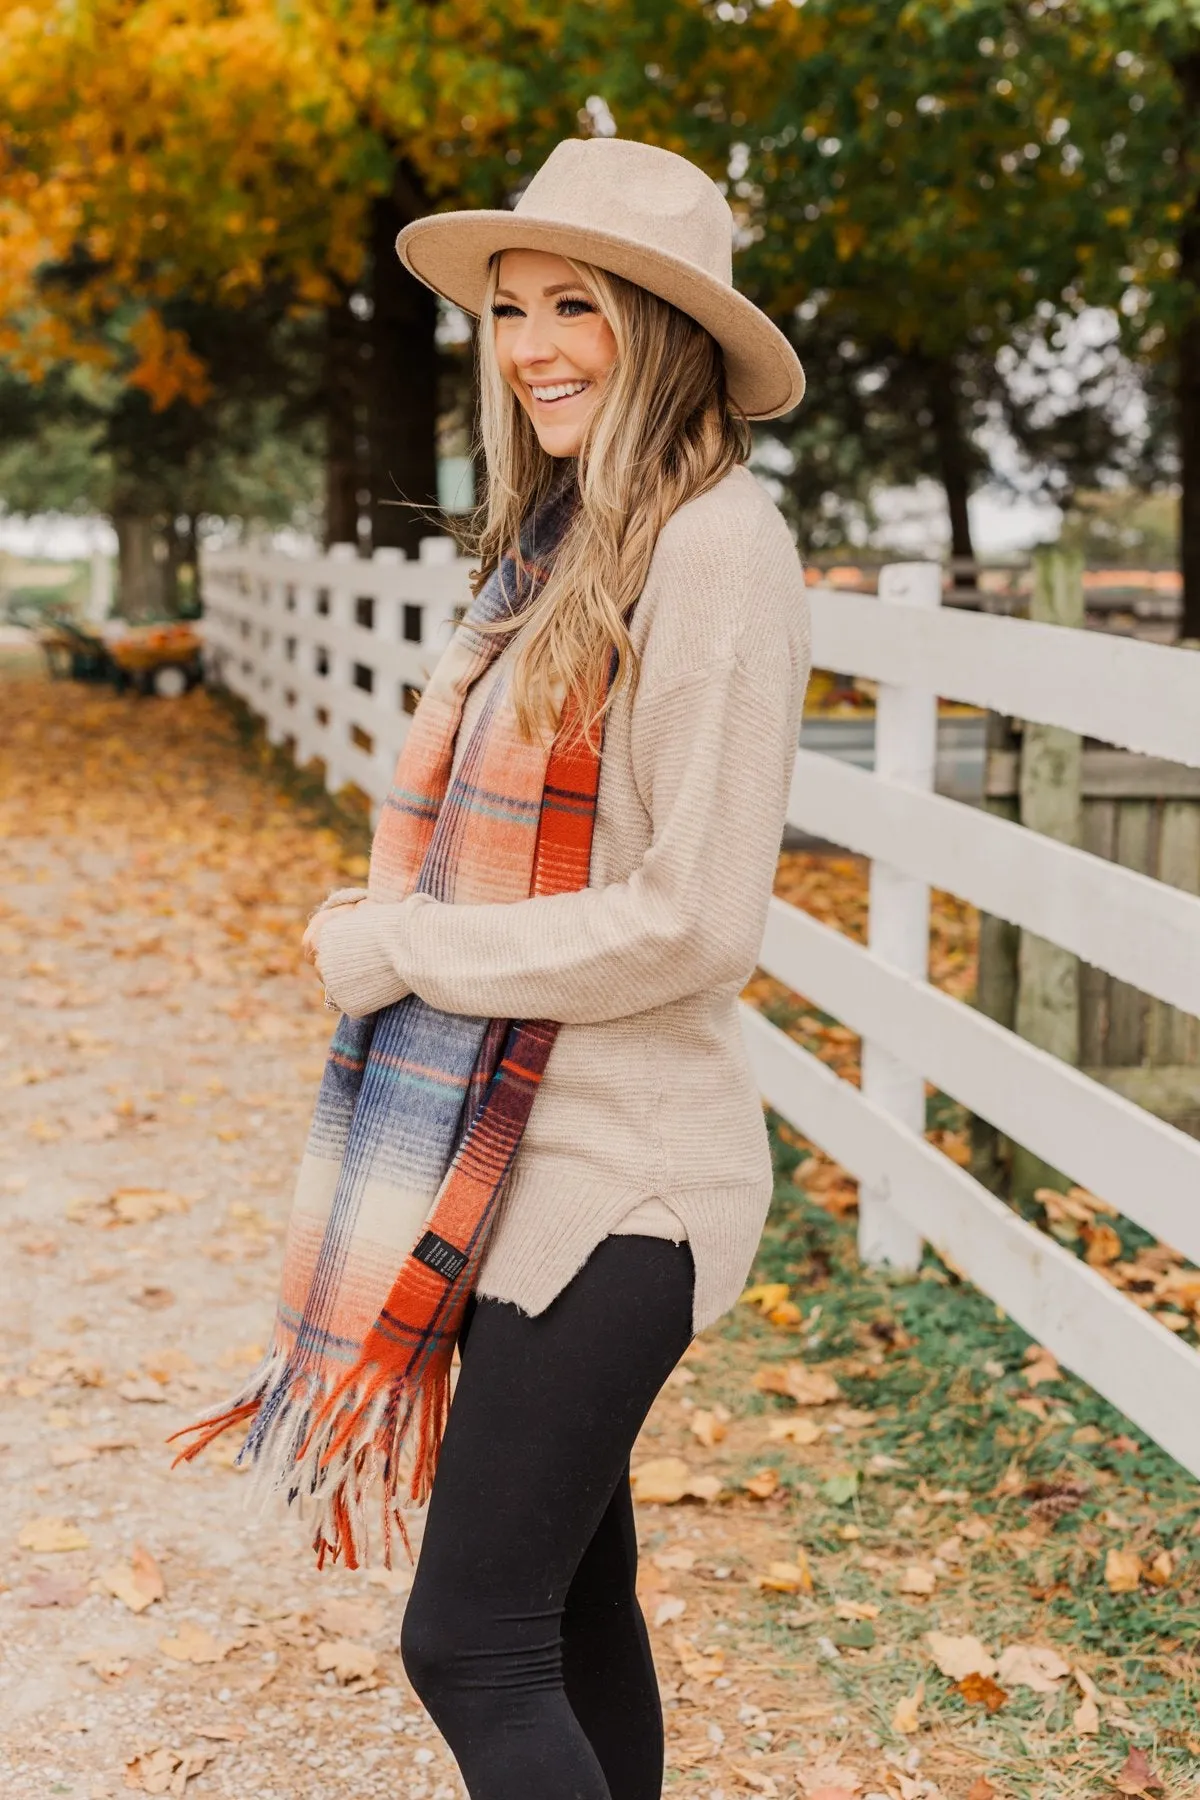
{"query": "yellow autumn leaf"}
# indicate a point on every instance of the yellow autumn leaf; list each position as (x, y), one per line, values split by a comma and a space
(787, 1577)
(795, 1381)
(762, 1484)
(701, 1666)
(51, 1535)
(194, 1644)
(348, 1660)
(1122, 1571)
(855, 1611)
(765, 1295)
(796, 1430)
(1161, 1569)
(906, 1717)
(706, 1427)
(665, 1480)
(137, 1583)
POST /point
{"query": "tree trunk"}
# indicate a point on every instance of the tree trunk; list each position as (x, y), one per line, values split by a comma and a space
(141, 590)
(1187, 73)
(344, 474)
(190, 559)
(403, 381)
(953, 454)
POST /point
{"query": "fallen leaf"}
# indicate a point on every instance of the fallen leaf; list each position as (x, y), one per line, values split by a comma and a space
(1136, 1775)
(766, 1296)
(756, 1782)
(346, 1618)
(706, 1427)
(981, 1690)
(1102, 1245)
(52, 1590)
(855, 1609)
(796, 1430)
(166, 1771)
(917, 1579)
(141, 1205)
(704, 1487)
(1041, 1365)
(1161, 1569)
(668, 1479)
(795, 1381)
(762, 1484)
(1032, 1666)
(958, 1657)
(351, 1663)
(141, 1390)
(138, 1583)
(51, 1534)
(1077, 1205)
(982, 1789)
(107, 1664)
(1086, 1717)
(63, 1369)
(831, 1781)
(194, 1644)
(669, 1607)
(661, 1482)
(787, 1577)
(700, 1666)
(1122, 1571)
(906, 1717)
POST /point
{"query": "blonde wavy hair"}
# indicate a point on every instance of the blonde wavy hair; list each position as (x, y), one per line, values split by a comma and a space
(663, 430)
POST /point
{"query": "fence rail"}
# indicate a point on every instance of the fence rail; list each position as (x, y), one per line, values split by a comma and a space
(333, 653)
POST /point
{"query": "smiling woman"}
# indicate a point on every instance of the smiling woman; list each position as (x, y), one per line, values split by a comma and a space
(553, 345)
(539, 1140)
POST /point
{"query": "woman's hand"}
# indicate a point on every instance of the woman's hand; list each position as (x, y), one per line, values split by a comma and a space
(310, 943)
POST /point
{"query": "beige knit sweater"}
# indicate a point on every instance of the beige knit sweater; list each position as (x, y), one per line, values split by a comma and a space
(648, 1095)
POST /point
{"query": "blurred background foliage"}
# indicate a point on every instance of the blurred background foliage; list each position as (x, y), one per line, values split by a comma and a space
(979, 222)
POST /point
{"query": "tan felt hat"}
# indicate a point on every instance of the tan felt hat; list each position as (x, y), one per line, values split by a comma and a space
(637, 211)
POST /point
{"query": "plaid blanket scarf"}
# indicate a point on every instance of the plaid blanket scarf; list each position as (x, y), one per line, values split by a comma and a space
(419, 1115)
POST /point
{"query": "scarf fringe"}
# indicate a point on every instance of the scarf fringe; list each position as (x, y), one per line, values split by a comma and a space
(340, 1454)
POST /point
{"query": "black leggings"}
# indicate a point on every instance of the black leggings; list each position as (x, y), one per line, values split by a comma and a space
(523, 1635)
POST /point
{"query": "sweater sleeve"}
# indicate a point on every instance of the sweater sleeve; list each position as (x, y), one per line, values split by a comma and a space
(712, 754)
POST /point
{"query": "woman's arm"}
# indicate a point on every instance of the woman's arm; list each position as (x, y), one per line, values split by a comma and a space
(712, 754)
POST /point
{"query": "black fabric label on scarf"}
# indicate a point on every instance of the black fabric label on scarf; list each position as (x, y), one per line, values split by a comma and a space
(440, 1256)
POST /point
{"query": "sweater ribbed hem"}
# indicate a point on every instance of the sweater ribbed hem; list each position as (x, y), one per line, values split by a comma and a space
(551, 1221)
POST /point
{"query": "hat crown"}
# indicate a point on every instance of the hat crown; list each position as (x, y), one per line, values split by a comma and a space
(639, 191)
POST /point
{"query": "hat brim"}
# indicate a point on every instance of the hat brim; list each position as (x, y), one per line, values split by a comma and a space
(449, 252)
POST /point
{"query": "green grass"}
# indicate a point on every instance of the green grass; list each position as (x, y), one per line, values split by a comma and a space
(941, 1369)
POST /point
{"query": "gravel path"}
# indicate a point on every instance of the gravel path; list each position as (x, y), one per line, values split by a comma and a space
(158, 1060)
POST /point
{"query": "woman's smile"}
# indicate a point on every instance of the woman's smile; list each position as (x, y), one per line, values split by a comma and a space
(557, 393)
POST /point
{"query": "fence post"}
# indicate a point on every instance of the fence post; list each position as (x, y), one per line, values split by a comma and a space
(1050, 786)
(905, 752)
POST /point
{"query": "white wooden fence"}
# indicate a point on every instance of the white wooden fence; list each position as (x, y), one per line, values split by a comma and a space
(333, 652)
